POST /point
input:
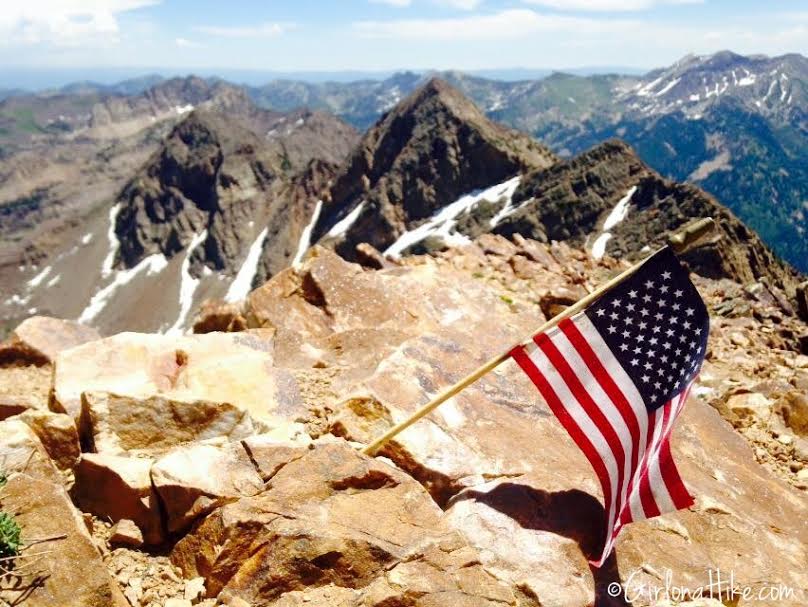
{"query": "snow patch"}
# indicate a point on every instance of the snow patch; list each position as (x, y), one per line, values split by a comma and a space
(37, 280)
(615, 216)
(106, 265)
(619, 211)
(188, 284)
(506, 190)
(85, 240)
(346, 222)
(442, 223)
(183, 109)
(152, 264)
(242, 283)
(747, 80)
(648, 88)
(305, 236)
(599, 248)
(668, 87)
(53, 281)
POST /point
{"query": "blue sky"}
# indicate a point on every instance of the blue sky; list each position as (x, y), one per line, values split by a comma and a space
(386, 35)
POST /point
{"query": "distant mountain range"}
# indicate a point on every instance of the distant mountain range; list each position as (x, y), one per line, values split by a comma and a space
(136, 209)
(736, 126)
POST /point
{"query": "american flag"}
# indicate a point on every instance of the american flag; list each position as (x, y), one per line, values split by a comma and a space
(617, 376)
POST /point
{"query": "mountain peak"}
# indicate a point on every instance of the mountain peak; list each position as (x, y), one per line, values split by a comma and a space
(432, 148)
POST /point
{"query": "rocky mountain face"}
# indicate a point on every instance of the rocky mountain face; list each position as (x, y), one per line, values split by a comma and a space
(430, 150)
(230, 188)
(734, 125)
(222, 468)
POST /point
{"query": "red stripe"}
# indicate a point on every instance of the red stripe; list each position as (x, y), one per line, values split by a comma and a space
(615, 394)
(667, 467)
(557, 407)
(590, 407)
(649, 504)
(676, 487)
(606, 382)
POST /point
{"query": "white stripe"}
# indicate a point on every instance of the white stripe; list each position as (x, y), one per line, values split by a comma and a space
(657, 485)
(604, 403)
(629, 390)
(586, 425)
(637, 512)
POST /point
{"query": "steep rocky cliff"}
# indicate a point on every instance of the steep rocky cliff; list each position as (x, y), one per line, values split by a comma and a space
(428, 151)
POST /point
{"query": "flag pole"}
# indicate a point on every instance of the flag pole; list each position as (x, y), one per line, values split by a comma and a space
(680, 242)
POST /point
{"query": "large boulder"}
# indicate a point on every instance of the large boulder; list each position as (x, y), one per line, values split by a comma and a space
(66, 568)
(39, 339)
(58, 434)
(112, 423)
(195, 479)
(119, 488)
(232, 368)
(23, 388)
(22, 451)
(331, 516)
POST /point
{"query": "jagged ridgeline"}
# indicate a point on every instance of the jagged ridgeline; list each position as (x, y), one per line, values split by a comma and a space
(234, 194)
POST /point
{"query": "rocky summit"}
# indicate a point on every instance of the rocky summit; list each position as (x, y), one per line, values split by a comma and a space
(267, 293)
(223, 468)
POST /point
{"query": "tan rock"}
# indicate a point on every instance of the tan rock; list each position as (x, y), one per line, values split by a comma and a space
(233, 368)
(116, 424)
(195, 479)
(177, 603)
(126, 533)
(194, 589)
(38, 339)
(219, 316)
(22, 451)
(23, 388)
(58, 435)
(333, 516)
(793, 409)
(269, 454)
(750, 406)
(75, 575)
(116, 487)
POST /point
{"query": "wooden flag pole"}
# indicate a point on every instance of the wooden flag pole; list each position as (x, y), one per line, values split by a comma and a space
(680, 242)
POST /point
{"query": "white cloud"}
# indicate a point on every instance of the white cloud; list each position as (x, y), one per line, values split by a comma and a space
(263, 30)
(607, 5)
(507, 25)
(64, 22)
(466, 5)
(185, 43)
(397, 3)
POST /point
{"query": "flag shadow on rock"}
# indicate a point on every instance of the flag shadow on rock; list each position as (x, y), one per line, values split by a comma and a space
(573, 514)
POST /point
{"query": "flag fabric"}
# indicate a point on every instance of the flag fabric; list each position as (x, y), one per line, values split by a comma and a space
(617, 375)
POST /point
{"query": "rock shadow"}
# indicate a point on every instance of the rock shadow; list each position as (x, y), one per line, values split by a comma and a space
(573, 514)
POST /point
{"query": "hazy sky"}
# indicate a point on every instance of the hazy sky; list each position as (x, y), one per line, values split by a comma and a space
(390, 34)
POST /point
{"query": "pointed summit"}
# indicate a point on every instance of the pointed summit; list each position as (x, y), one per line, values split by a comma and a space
(429, 150)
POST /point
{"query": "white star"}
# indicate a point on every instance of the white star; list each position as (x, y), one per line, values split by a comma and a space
(614, 316)
(669, 332)
(646, 298)
(663, 358)
(630, 307)
(623, 347)
(634, 362)
(697, 331)
(663, 289)
(689, 311)
(612, 329)
(641, 337)
(658, 315)
(600, 312)
(678, 292)
(661, 303)
(678, 351)
(657, 385)
(656, 329)
(674, 320)
(686, 324)
(667, 345)
(648, 366)
(632, 294)
(644, 312)
(676, 306)
(637, 350)
(666, 275)
(643, 324)
(653, 341)
(646, 379)
(649, 284)
(651, 353)
(616, 302)
(626, 334)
